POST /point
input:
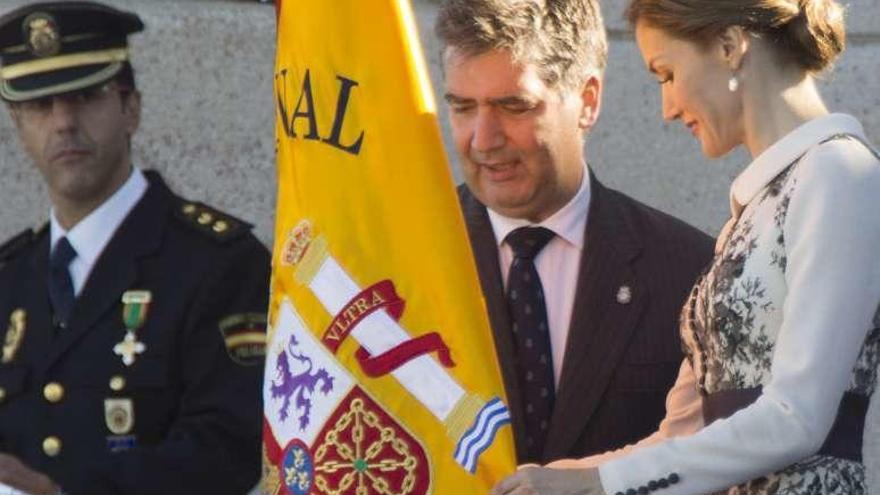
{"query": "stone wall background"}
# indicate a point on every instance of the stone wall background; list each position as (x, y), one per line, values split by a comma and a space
(205, 71)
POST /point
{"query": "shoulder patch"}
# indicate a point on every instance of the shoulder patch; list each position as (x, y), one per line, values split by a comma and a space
(210, 221)
(13, 246)
(245, 337)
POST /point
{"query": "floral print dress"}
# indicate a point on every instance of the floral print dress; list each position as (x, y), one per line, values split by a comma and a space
(731, 326)
(780, 334)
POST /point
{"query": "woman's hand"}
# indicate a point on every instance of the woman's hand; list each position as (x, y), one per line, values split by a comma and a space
(534, 480)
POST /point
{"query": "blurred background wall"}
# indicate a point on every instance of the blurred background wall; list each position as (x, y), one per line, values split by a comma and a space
(205, 71)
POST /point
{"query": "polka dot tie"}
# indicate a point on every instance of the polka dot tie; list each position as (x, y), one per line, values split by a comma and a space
(528, 316)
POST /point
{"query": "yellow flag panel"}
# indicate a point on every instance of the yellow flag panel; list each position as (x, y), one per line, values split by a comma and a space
(381, 375)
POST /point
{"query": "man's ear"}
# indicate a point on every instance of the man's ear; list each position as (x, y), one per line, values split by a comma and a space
(131, 107)
(591, 102)
(734, 43)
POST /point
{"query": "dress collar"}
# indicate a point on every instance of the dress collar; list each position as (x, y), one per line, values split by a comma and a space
(772, 161)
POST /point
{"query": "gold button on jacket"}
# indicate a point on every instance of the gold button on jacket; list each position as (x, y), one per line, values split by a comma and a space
(52, 446)
(117, 383)
(53, 392)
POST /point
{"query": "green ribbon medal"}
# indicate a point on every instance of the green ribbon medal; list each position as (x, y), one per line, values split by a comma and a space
(134, 313)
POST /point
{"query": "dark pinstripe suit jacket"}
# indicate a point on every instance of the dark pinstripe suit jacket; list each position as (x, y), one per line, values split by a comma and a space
(620, 359)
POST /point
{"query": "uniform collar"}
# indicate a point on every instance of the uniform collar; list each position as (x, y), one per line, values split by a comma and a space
(569, 222)
(772, 161)
(90, 236)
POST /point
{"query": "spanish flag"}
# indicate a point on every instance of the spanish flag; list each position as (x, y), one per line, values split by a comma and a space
(381, 375)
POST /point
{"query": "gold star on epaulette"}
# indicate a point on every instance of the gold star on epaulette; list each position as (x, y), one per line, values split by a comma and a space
(210, 221)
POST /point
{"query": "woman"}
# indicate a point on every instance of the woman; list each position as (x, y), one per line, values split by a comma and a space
(781, 333)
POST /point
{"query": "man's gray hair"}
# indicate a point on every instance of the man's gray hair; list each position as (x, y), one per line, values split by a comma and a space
(564, 39)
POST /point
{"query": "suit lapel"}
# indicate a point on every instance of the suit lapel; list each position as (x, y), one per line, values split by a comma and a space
(117, 267)
(485, 249)
(601, 326)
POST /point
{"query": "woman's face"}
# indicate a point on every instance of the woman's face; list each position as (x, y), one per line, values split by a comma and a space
(694, 87)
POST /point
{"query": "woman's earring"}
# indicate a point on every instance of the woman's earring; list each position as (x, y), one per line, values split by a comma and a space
(733, 84)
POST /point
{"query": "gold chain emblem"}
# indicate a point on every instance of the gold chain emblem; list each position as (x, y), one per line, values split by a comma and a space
(349, 457)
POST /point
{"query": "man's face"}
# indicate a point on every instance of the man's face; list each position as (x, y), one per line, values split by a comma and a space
(80, 141)
(520, 141)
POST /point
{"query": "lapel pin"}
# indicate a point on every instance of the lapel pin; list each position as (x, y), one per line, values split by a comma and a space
(624, 294)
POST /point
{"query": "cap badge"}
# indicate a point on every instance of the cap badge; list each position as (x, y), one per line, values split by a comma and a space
(41, 34)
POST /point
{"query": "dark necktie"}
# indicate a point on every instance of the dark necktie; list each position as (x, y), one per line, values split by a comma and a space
(60, 284)
(528, 313)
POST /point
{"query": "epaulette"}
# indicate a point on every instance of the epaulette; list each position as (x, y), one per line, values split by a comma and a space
(215, 224)
(18, 242)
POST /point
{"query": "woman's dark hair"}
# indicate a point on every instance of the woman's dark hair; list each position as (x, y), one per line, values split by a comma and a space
(810, 33)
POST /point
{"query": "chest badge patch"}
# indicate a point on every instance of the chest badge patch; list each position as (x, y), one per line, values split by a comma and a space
(134, 314)
(119, 415)
(245, 337)
(14, 335)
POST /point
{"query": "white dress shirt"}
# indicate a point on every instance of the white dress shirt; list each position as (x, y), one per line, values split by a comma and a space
(829, 291)
(90, 236)
(557, 264)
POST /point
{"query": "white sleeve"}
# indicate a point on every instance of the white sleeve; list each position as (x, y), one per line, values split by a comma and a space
(684, 416)
(833, 277)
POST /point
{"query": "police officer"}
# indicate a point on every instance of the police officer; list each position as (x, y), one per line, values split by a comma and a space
(133, 322)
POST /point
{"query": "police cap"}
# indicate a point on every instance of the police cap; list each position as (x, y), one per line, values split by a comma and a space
(56, 47)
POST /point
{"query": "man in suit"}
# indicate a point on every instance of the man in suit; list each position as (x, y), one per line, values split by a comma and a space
(133, 323)
(583, 284)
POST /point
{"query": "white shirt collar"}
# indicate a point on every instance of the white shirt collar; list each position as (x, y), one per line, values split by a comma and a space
(568, 223)
(90, 236)
(782, 153)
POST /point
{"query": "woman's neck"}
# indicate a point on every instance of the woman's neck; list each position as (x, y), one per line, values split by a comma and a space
(777, 106)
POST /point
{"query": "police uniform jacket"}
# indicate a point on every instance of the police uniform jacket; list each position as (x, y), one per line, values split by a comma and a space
(185, 416)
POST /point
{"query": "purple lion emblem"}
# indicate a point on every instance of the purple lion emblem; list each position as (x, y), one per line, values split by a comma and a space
(294, 386)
